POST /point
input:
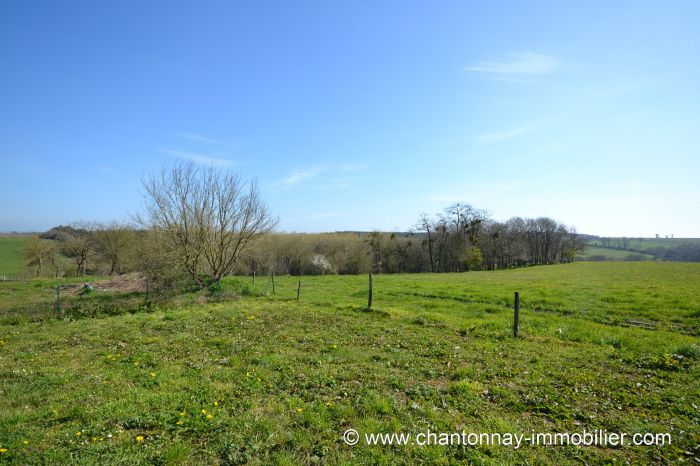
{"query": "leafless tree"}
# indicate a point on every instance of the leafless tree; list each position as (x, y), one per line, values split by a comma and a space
(38, 252)
(112, 240)
(205, 217)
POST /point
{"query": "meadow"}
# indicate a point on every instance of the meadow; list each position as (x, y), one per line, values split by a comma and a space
(248, 376)
(11, 248)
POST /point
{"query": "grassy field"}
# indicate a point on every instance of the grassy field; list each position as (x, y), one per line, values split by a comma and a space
(641, 244)
(267, 379)
(611, 254)
(11, 254)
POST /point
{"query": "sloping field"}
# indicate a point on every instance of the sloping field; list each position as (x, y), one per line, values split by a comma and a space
(267, 379)
(11, 254)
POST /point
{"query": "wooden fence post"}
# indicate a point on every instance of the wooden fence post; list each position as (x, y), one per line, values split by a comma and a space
(253, 277)
(369, 300)
(58, 300)
(516, 314)
(272, 276)
(298, 289)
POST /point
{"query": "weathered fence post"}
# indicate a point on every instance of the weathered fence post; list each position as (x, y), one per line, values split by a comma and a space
(298, 289)
(516, 314)
(58, 300)
(253, 277)
(272, 276)
(148, 281)
(369, 300)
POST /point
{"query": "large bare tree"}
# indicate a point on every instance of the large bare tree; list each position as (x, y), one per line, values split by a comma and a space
(206, 218)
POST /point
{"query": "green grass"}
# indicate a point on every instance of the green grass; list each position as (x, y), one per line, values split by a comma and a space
(267, 379)
(11, 254)
(611, 254)
(641, 244)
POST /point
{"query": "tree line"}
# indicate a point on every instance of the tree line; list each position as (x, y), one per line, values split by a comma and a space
(200, 224)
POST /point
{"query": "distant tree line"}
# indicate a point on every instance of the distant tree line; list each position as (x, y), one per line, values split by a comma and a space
(680, 250)
(459, 239)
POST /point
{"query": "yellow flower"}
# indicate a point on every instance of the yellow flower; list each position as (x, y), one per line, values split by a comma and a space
(3, 451)
(78, 434)
(300, 410)
(180, 422)
(139, 438)
(136, 363)
(94, 439)
(334, 346)
(26, 442)
(153, 374)
(183, 413)
(204, 411)
(216, 403)
(209, 416)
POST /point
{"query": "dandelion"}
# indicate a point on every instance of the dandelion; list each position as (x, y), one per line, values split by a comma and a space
(209, 416)
(136, 363)
(139, 438)
(300, 410)
(78, 434)
(204, 411)
(153, 374)
(3, 451)
(183, 413)
(94, 439)
(334, 346)
(180, 422)
(216, 403)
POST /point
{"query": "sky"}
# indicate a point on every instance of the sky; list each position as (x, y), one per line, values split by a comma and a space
(357, 115)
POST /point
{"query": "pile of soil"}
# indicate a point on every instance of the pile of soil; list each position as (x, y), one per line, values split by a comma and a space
(134, 281)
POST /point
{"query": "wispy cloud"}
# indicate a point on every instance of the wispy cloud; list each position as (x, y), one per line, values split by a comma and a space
(199, 138)
(521, 64)
(301, 174)
(501, 136)
(200, 158)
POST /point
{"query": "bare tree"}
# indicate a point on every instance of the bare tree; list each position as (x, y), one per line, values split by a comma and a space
(112, 240)
(426, 224)
(77, 243)
(39, 252)
(206, 218)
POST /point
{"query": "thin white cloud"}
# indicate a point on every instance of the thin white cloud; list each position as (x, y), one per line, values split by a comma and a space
(501, 136)
(522, 64)
(200, 158)
(199, 138)
(301, 174)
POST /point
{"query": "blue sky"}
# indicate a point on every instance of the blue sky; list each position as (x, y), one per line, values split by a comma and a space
(358, 115)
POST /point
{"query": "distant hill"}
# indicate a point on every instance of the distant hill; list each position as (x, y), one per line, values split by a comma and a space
(673, 249)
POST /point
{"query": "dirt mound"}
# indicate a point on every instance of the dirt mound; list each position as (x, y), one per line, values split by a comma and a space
(134, 281)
